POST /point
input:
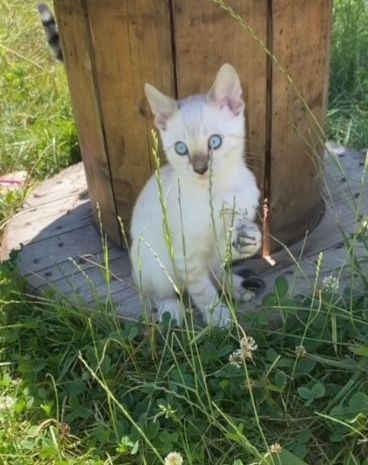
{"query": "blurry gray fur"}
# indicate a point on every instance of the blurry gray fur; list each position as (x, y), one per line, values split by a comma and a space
(51, 30)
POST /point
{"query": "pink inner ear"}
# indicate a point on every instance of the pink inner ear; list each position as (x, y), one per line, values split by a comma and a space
(235, 105)
(161, 120)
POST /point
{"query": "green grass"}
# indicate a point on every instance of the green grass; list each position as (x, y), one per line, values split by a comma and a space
(84, 388)
(37, 132)
(348, 105)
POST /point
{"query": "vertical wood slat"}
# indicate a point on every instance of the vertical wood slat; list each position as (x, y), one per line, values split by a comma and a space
(78, 57)
(132, 45)
(207, 37)
(301, 34)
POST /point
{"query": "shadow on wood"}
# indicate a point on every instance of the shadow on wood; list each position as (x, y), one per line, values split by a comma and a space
(62, 250)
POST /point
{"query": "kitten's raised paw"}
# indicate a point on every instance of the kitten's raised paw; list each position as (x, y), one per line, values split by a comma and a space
(247, 238)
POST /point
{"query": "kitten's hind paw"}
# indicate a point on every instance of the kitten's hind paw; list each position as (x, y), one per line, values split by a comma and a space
(254, 284)
(244, 288)
(171, 306)
(218, 315)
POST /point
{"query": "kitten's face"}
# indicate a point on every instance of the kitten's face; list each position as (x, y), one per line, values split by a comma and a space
(204, 130)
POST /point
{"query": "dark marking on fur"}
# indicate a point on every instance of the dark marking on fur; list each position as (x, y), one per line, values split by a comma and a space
(51, 30)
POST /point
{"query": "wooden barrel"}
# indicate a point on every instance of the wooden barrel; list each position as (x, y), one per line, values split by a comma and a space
(112, 47)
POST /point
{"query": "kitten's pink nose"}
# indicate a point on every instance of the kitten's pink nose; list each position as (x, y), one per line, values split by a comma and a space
(200, 163)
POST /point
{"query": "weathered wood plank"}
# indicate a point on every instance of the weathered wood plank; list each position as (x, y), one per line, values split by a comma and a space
(57, 249)
(90, 288)
(93, 280)
(345, 178)
(79, 61)
(128, 304)
(342, 212)
(300, 42)
(125, 300)
(53, 208)
(326, 235)
(207, 37)
(70, 182)
(49, 220)
(132, 45)
(73, 265)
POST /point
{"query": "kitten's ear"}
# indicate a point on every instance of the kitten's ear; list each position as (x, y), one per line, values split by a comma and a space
(226, 90)
(162, 106)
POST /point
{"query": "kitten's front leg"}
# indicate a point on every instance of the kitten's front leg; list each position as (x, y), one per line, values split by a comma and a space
(205, 296)
(246, 238)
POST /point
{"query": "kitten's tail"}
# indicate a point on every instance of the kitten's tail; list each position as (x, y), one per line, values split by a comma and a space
(51, 30)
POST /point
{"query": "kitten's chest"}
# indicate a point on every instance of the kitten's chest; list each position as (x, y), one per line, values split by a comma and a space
(201, 213)
(196, 210)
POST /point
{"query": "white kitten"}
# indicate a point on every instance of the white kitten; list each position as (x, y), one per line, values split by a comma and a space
(203, 137)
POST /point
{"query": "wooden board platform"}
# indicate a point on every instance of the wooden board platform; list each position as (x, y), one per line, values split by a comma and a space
(61, 249)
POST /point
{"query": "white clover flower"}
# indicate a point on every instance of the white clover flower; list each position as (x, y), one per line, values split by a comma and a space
(6, 402)
(276, 448)
(300, 351)
(247, 347)
(330, 284)
(236, 358)
(174, 458)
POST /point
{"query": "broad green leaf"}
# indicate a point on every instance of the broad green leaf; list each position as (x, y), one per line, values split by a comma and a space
(347, 364)
(271, 354)
(303, 366)
(281, 286)
(225, 350)
(286, 363)
(305, 393)
(318, 390)
(269, 300)
(358, 404)
(285, 458)
(337, 436)
(300, 450)
(303, 436)
(280, 379)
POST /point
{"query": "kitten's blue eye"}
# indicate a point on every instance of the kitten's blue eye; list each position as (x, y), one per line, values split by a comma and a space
(181, 148)
(214, 142)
